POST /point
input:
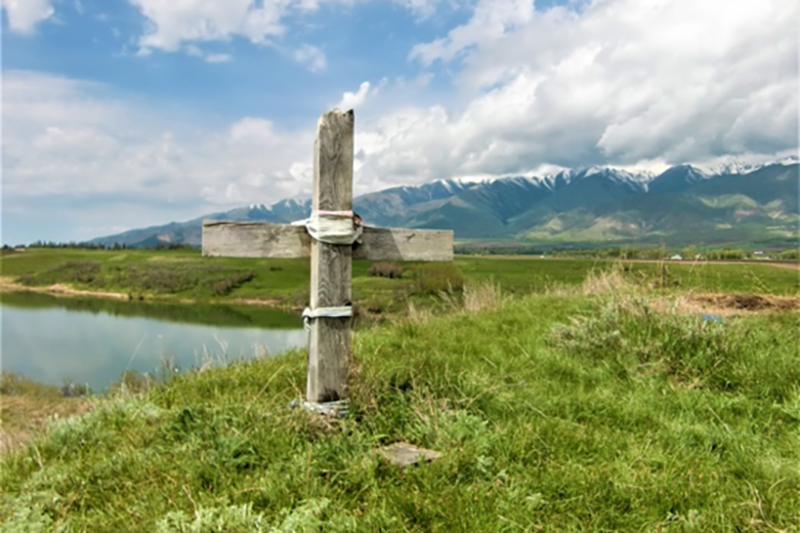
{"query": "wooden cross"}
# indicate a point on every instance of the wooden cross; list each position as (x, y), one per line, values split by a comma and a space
(331, 264)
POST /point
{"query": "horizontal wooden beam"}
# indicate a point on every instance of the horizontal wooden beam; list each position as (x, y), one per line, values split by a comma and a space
(257, 239)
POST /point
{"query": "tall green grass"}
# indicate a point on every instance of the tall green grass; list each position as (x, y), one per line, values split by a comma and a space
(185, 274)
(552, 413)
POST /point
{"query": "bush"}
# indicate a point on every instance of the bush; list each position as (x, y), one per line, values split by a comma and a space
(386, 270)
(699, 351)
(435, 278)
(221, 288)
(71, 271)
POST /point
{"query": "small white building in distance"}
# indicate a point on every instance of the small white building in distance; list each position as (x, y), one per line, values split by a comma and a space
(676, 257)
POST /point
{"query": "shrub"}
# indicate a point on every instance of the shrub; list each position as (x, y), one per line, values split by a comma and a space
(221, 288)
(386, 270)
(159, 279)
(700, 351)
(71, 271)
(435, 278)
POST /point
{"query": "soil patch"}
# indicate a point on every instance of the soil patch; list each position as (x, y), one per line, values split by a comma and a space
(748, 302)
(731, 304)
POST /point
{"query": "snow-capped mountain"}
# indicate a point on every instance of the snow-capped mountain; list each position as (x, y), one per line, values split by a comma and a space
(685, 202)
(743, 165)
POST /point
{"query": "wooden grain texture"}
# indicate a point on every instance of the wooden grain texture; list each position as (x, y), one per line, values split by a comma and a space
(248, 239)
(396, 244)
(331, 265)
(254, 239)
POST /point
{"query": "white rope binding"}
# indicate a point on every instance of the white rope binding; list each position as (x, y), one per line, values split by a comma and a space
(325, 312)
(332, 227)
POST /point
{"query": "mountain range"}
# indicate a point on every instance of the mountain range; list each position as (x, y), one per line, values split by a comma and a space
(684, 205)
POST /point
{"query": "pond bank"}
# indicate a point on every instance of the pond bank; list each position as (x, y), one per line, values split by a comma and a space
(60, 290)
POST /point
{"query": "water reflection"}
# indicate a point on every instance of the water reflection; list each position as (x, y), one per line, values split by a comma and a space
(93, 341)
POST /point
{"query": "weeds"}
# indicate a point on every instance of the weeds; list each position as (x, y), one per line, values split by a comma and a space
(433, 278)
(12, 384)
(550, 431)
(132, 382)
(69, 272)
(221, 288)
(690, 349)
(153, 278)
(587, 411)
(483, 296)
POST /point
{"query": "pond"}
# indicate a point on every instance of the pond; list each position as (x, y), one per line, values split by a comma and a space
(91, 341)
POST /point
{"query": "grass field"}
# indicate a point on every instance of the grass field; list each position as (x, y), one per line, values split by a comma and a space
(601, 405)
(185, 275)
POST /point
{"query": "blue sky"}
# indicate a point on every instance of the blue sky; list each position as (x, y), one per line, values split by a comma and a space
(128, 113)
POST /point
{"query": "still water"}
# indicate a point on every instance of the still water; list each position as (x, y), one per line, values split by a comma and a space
(55, 340)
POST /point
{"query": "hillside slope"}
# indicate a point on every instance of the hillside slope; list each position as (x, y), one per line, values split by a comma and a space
(684, 205)
(551, 413)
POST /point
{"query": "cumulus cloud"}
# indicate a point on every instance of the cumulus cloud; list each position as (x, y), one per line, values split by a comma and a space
(620, 82)
(171, 24)
(352, 100)
(24, 15)
(491, 20)
(72, 140)
(174, 23)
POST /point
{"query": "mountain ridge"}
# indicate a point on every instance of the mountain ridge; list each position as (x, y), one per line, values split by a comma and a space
(684, 203)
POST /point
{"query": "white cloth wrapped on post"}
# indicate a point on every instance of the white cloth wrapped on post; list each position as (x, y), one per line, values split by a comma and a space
(332, 227)
(325, 312)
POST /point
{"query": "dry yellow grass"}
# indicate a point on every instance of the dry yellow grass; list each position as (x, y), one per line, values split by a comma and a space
(23, 416)
(483, 295)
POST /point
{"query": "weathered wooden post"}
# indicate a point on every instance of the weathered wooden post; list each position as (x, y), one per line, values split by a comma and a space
(332, 237)
(331, 264)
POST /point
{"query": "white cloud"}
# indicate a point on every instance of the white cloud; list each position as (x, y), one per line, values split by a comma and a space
(620, 82)
(173, 23)
(312, 57)
(353, 100)
(491, 20)
(73, 141)
(24, 15)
